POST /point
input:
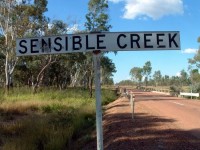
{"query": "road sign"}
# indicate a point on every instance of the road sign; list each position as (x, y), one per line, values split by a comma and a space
(104, 41)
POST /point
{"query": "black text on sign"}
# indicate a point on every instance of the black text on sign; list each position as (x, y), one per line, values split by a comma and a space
(109, 41)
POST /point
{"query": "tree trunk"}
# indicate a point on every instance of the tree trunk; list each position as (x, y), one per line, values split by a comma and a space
(90, 86)
(40, 75)
(8, 72)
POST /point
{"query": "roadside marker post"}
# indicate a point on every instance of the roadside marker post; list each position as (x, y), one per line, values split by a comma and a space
(132, 101)
(98, 42)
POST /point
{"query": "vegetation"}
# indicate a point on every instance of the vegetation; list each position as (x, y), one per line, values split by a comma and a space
(49, 119)
(97, 21)
(176, 84)
(126, 82)
(60, 71)
(50, 113)
(40, 108)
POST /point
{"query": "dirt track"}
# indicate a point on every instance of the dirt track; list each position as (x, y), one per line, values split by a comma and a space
(156, 125)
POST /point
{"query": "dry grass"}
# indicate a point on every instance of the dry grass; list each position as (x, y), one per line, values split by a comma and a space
(49, 120)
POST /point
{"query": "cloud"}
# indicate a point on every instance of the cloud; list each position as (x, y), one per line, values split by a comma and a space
(115, 1)
(154, 9)
(190, 51)
(178, 74)
(74, 28)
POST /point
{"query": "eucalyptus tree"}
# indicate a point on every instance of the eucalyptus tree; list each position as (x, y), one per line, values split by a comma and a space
(2, 57)
(136, 74)
(96, 19)
(147, 71)
(194, 66)
(8, 32)
(40, 66)
(18, 19)
(184, 78)
(195, 61)
(195, 79)
(108, 68)
(157, 77)
(165, 80)
(45, 62)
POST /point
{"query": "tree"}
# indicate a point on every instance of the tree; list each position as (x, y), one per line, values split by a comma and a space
(126, 83)
(194, 66)
(8, 35)
(175, 81)
(165, 80)
(136, 74)
(96, 19)
(2, 58)
(39, 66)
(157, 77)
(195, 61)
(183, 77)
(108, 68)
(195, 80)
(10, 28)
(147, 71)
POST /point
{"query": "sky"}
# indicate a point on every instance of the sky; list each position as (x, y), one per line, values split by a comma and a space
(142, 15)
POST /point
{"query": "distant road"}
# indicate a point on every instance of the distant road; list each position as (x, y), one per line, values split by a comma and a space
(186, 113)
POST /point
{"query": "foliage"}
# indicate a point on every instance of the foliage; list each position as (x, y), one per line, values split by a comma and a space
(97, 17)
(126, 82)
(184, 78)
(108, 68)
(146, 71)
(136, 74)
(49, 119)
(194, 65)
(97, 20)
(175, 90)
(157, 77)
(58, 71)
(195, 61)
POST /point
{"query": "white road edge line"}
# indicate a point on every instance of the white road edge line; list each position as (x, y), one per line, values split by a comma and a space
(178, 103)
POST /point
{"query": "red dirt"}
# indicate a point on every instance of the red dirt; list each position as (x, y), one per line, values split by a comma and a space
(148, 131)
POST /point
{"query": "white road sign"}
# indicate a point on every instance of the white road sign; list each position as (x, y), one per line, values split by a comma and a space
(105, 41)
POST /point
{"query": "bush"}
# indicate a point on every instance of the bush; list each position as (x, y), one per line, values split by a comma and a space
(196, 88)
(175, 90)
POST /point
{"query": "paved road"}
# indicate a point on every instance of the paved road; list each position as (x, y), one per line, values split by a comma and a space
(185, 113)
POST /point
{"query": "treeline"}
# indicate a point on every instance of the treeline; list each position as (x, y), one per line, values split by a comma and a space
(27, 19)
(143, 76)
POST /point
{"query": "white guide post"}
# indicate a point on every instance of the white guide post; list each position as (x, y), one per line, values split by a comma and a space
(99, 128)
(132, 99)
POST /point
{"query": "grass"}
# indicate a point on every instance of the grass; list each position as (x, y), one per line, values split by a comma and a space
(50, 119)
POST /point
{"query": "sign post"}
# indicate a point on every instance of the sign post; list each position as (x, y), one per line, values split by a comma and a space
(97, 42)
(99, 127)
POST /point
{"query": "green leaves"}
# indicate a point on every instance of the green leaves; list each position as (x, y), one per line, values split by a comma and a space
(97, 18)
(136, 73)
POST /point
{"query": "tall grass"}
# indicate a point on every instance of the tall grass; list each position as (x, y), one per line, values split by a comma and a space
(50, 119)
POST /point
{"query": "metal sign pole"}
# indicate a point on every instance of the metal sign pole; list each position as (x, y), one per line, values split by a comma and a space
(99, 128)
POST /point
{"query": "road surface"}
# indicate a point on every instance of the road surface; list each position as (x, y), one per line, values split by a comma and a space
(184, 112)
(160, 122)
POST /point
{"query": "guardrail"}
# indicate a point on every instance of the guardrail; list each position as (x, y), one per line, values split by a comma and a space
(189, 94)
